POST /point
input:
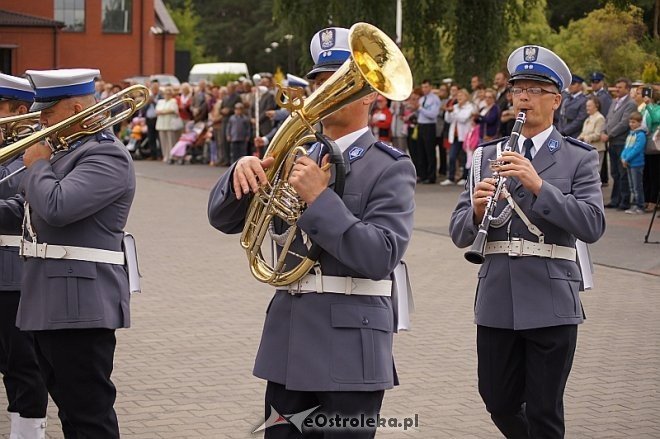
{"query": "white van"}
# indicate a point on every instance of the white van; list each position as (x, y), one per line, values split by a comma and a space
(208, 70)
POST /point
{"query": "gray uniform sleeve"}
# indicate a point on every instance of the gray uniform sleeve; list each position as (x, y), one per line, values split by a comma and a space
(11, 215)
(580, 212)
(576, 124)
(10, 187)
(96, 181)
(225, 212)
(461, 225)
(374, 244)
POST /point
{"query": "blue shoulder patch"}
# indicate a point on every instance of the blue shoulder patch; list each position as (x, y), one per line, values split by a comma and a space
(394, 152)
(493, 142)
(579, 143)
(102, 136)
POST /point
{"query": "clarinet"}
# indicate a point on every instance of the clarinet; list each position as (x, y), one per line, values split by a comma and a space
(476, 252)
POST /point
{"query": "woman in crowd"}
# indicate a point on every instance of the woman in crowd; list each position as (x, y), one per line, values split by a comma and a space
(651, 178)
(168, 123)
(381, 120)
(184, 100)
(593, 127)
(488, 117)
(459, 117)
(410, 119)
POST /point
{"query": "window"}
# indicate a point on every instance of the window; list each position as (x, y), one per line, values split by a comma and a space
(71, 13)
(117, 16)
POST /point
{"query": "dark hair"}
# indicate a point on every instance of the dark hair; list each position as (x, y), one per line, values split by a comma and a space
(625, 81)
(15, 104)
(596, 102)
(635, 115)
(426, 81)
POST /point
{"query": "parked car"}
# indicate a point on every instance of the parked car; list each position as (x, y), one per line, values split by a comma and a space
(208, 71)
(165, 79)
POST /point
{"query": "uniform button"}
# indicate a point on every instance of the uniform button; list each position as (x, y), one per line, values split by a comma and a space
(313, 231)
(569, 274)
(70, 270)
(546, 211)
(365, 321)
(521, 194)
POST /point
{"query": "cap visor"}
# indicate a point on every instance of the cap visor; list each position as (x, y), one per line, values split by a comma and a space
(38, 106)
(321, 69)
(529, 77)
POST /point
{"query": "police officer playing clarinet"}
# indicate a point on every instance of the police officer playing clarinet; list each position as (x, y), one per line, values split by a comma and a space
(528, 307)
(26, 391)
(327, 340)
(75, 289)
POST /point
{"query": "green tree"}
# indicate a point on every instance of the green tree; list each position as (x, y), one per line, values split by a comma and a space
(607, 40)
(186, 19)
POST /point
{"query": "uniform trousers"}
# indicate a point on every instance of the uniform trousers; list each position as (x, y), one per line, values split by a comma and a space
(620, 187)
(26, 391)
(428, 158)
(344, 404)
(76, 365)
(522, 377)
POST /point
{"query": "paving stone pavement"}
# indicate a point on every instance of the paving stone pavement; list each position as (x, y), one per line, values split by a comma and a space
(184, 369)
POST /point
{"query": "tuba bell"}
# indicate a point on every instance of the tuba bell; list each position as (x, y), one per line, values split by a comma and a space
(375, 64)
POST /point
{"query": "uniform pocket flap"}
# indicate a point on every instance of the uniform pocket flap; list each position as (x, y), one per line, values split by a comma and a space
(563, 184)
(563, 270)
(362, 317)
(68, 268)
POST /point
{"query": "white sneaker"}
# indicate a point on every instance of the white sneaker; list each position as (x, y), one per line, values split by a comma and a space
(461, 182)
(635, 210)
(447, 182)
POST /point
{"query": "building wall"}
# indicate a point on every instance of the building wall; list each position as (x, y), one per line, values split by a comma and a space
(36, 48)
(118, 56)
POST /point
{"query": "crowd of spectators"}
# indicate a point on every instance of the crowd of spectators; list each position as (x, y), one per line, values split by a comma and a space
(441, 126)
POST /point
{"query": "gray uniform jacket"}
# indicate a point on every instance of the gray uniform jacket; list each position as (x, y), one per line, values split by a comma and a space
(80, 198)
(335, 342)
(616, 121)
(573, 115)
(605, 99)
(10, 263)
(534, 292)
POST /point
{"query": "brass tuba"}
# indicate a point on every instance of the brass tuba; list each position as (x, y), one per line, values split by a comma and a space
(91, 120)
(376, 64)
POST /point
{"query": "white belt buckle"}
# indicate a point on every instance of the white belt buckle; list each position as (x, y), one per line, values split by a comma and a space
(516, 247)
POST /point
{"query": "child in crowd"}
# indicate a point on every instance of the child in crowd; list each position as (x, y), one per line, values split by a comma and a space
(238, 133)
(632, 158)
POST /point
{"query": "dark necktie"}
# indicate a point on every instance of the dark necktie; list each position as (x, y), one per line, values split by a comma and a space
(528, 145)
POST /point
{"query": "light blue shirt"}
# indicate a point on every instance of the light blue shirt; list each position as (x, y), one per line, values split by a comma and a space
(429, 108)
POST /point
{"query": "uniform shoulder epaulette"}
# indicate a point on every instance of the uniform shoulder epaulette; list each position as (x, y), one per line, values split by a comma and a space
(102, 136)
(493, 142)
(392, 151)
(579, 143)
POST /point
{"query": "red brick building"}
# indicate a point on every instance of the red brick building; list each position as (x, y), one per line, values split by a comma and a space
(122, 38)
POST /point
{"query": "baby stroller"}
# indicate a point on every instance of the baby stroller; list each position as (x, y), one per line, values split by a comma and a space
(190, 146)
(136, 142)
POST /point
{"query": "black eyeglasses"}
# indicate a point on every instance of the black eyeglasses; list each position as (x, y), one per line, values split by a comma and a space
(531, 91)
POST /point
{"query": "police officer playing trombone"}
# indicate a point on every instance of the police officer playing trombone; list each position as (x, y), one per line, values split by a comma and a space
(26, 392)
(75, 290)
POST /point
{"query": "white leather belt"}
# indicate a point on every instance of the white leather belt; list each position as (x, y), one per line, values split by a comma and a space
(520, 247)
(51, 251)
(10, 241)
(342, 285)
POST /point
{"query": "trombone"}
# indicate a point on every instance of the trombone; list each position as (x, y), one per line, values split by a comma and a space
(91, 120)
